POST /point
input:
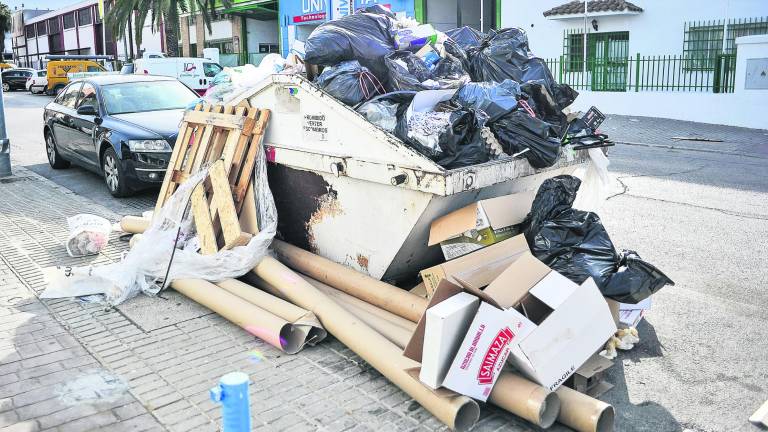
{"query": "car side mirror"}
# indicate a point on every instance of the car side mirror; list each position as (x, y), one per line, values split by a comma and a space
(87, 110)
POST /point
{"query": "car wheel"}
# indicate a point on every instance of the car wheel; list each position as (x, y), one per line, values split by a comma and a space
(54, 158)
(6, 87)
(114, 176)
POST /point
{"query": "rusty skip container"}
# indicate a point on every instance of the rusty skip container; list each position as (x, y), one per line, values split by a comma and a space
(356, 194)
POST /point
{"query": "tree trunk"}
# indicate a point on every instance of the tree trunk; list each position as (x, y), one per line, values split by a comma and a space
(171, 27)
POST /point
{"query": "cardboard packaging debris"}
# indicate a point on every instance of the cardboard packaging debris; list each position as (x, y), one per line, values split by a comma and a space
(572, 322)
(630, 315)
(480, 224)
(760, 417)
(478, 268)
(447, 324)
(484, 351)
(590, 377)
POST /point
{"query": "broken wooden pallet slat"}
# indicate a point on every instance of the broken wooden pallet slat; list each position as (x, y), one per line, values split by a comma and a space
(218, 201)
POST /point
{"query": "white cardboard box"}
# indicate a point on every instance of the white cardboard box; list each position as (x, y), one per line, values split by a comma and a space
(484, 350)
(447, 323)
(572, 321)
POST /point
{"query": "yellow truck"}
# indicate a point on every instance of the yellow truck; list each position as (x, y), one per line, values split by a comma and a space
(60, 66)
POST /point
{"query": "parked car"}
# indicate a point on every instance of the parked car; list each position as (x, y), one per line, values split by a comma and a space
(120, 126)
(196, 73)
(37, 83)
(15, 79)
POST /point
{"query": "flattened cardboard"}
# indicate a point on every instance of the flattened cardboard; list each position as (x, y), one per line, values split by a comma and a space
(477, 268)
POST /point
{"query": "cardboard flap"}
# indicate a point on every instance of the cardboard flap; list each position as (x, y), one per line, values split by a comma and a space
(553, 289)
(508, 210)
(415, 346)
(481, 269)
(516, 280)
(579, 327)
(453, 224)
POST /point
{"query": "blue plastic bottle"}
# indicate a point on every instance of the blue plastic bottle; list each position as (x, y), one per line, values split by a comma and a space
(232, 392)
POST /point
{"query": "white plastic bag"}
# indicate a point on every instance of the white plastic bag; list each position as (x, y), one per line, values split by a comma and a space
(88, 234)
(595, 183)
(145, 266)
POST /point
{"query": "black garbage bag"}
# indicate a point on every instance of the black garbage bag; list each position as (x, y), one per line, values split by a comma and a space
(408, 72)
(456, 53)
(545, 106)
(576, 244)
(635, 280)
(449, 135)
(365, 37)
(348, 82)
(502, 54)
(517, 131)
(450, 71)
(564, 95)
(466, 37)
(386, 110)
(495, 99)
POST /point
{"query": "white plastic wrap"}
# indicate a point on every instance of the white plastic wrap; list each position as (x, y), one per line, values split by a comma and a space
(595, 183)
(144, 267)
(233, 81)
(88, 234)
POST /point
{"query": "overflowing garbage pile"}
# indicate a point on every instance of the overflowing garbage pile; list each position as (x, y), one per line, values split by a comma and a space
(486, 96)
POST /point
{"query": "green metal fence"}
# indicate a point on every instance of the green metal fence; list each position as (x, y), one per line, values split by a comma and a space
(645, 73)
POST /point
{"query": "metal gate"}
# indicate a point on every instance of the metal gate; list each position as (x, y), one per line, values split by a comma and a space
(607, 58)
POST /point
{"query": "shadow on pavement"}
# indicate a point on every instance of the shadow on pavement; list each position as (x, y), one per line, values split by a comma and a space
(646, 416)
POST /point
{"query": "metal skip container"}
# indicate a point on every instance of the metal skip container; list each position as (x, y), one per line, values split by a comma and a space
(356, 194)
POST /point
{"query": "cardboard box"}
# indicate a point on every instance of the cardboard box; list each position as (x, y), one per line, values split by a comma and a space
(590, 377)
(446, 325)
(480, 224)
(572, 321)
(630, 315)
(484, 350)
(478, 268)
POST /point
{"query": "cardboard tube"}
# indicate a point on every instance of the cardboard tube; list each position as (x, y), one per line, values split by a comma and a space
(345, 298)
(255, 320)
(302, 320)
(511, 392)
(134, 238)
(456, 411)
(394, 333)
(366, 288)
(134, 224)
(583, 413)
(525, 399)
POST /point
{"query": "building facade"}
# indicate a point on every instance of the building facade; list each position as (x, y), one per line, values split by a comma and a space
(251, 29)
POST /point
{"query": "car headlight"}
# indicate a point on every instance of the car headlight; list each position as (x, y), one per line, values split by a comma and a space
(149, 146)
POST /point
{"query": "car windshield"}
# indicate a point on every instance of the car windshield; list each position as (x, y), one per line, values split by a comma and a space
(146, 96)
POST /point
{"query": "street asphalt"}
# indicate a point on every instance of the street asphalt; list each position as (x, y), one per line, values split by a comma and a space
(697, 210)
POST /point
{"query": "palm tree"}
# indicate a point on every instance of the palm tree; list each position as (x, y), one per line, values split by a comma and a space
(5, 24)
(163, 13)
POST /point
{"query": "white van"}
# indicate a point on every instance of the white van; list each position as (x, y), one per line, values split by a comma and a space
(195, 72)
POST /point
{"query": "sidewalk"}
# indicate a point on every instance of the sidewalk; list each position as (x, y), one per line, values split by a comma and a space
(167, 352)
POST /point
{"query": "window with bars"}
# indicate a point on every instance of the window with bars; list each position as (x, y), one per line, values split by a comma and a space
(574, 52)
(703, 40)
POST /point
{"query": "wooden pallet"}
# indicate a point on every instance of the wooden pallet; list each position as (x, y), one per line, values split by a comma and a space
(209, 133)
(214, 213)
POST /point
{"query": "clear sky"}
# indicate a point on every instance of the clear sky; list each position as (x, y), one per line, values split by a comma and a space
(39, 4)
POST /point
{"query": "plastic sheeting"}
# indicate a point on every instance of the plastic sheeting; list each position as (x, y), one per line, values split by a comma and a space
(576, 244)
(144, 267)
(232, 82)
(349, 82)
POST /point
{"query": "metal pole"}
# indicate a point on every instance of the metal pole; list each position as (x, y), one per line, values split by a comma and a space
(482, 16)
(585, 39)
(5, 143)
(725, 28)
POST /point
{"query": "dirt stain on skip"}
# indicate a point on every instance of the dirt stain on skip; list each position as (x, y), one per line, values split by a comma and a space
(362, 261)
